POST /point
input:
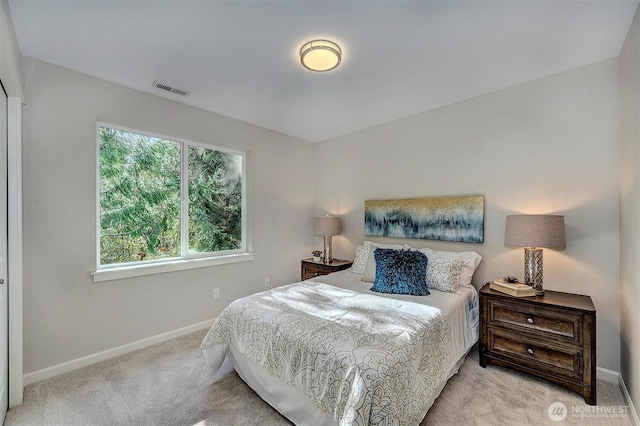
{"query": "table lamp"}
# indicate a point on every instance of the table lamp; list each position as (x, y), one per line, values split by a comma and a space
(327, 226)
(532, 232)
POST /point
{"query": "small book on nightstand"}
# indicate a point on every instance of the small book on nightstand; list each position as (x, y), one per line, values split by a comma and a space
(513, 289)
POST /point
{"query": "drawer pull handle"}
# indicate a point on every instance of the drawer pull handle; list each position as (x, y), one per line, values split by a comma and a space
(530, 320)
(530, 350)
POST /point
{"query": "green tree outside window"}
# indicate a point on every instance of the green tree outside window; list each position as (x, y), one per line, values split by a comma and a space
(140, 193)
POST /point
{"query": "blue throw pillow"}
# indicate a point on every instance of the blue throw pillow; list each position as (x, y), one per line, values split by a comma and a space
(400, 272)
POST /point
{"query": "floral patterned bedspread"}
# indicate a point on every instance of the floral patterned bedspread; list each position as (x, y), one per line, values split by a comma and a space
(362, 359)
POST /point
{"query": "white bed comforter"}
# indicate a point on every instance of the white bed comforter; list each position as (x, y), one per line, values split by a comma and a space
(362, 359)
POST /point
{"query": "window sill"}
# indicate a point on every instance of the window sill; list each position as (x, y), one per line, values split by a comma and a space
(108, 274)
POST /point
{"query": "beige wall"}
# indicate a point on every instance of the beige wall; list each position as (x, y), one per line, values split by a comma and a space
(548, 146)
(66, 314)
(630, 211)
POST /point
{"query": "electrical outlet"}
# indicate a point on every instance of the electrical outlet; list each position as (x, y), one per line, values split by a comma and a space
(216, 293)
(267, 282)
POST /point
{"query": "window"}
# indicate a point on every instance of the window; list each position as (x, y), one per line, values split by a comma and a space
(163, 200)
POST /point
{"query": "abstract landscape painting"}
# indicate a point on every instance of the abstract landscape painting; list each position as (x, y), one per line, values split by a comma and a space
(437, 218)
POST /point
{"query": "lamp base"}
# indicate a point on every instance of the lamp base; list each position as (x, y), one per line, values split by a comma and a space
(327, 250)
(533, 269)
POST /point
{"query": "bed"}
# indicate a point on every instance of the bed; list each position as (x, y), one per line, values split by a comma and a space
(330, 351)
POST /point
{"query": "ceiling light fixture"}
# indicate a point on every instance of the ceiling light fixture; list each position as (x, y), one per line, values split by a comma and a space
(320, 55)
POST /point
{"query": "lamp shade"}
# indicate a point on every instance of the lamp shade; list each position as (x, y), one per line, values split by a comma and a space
(326, 226)
(535, 231)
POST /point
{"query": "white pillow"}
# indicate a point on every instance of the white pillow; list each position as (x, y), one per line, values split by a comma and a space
(360, 261)
(370, 269)
(387, 246)
(443, 273)
(472, 260)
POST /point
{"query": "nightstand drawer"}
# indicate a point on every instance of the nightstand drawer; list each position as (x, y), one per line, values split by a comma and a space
(554, 323)
(309, 273)
(564, 360)
(310, 269)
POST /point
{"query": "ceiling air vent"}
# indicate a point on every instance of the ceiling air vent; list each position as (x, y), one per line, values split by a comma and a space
(168, 88)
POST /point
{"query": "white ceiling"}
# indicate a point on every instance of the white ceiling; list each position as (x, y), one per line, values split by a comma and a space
(240, 58)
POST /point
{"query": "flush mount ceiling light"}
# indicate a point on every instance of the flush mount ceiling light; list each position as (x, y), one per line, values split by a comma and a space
(320, 55)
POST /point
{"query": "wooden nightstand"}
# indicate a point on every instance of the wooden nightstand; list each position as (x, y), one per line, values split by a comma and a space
(310, 269)
(551, 336)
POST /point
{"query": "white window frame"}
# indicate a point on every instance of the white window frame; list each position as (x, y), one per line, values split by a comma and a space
(186, 260)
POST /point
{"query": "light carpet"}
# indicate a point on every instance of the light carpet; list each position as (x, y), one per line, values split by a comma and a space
(170, 384)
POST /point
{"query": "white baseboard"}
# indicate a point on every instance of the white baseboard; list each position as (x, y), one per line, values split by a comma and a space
(632, 410)
(608, 376)
(615, 377)
(65, 367)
